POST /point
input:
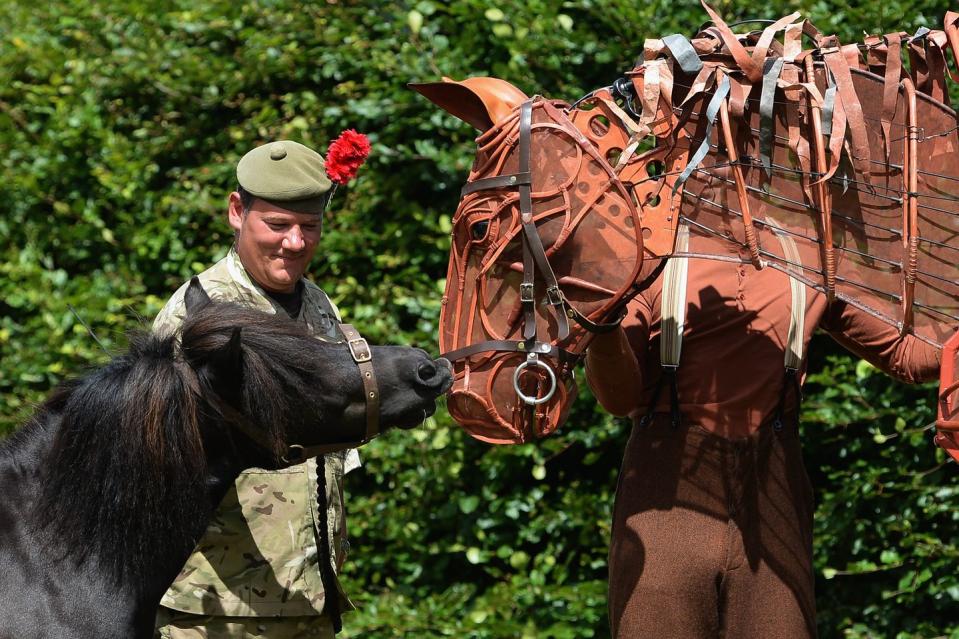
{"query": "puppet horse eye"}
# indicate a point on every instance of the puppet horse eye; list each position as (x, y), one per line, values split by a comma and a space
(478, 229)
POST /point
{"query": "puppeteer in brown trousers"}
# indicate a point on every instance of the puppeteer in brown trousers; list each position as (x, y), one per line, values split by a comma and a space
(712, 526)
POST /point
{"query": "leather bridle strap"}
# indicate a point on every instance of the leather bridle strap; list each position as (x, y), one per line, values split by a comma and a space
(497, 182)
(533, 251)
(511, 346)
(527, 288)
(230, 414)
(363, 356)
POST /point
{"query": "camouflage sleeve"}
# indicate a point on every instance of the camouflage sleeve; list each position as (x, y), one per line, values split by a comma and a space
(170, 317)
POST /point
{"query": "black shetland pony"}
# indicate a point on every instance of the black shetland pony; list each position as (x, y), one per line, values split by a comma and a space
(105, 491)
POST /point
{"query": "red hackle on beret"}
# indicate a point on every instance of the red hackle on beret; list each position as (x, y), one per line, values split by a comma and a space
(346, 155)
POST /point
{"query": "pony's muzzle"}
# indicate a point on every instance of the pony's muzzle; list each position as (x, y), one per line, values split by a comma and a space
(436, 375)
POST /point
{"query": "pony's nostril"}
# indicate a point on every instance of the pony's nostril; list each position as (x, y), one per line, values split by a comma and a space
(426, 371)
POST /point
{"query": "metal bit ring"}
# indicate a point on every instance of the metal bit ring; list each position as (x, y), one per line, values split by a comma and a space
(527, 399)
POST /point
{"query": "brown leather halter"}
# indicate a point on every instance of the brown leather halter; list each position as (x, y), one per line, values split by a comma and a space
(297, 453)
(362, 356)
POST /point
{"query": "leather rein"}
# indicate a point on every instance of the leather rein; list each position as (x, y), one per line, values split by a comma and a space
(534, 257)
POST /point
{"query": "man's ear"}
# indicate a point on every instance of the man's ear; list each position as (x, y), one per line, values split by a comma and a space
(235, 211)
(195, 297)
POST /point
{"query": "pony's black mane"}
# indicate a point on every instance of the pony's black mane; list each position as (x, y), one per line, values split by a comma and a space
(125, 480)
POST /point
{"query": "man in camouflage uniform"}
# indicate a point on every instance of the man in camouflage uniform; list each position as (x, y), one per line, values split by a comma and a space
(267, 565)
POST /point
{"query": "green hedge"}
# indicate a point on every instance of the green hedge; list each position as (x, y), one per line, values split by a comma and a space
(120, 123)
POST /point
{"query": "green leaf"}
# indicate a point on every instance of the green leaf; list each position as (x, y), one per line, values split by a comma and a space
(415, 20)
(469, 503)
(519, 559)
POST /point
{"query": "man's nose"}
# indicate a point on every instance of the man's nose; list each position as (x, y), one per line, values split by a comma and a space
(293, 240)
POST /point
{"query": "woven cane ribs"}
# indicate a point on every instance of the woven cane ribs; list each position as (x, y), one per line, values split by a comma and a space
(851, 151)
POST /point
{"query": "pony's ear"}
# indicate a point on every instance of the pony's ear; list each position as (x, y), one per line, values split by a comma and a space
(227, 360)
(195, 297)
(480, 101)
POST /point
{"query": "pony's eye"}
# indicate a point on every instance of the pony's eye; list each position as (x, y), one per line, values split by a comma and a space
(479, 229)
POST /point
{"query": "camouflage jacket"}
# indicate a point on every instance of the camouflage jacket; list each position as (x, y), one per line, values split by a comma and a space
(259, 555)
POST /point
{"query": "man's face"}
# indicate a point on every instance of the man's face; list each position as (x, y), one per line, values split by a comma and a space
(275, 245)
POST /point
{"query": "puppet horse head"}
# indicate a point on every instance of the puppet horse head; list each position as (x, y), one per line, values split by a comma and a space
(546, 247)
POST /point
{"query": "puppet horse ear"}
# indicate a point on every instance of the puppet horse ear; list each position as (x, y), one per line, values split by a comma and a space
(480, 101)
(195, 297)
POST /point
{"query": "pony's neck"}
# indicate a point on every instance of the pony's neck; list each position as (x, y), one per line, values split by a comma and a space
(134, 583)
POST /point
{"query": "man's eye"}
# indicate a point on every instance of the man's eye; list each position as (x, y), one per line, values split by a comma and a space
(478, 229)
(276, 227)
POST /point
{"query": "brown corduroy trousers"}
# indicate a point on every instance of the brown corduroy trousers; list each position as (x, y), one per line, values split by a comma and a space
(712, 537)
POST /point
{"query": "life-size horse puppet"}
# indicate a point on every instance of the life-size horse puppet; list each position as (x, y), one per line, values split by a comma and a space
(836, 164)
(104, 492)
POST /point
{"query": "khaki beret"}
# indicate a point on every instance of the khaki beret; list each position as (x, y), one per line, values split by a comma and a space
(287, 174)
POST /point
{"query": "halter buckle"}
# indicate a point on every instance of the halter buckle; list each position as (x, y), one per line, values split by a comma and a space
(360, 350)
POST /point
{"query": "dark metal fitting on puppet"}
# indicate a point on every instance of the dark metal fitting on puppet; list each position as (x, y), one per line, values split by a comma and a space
(526, 292)
(554, 296)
